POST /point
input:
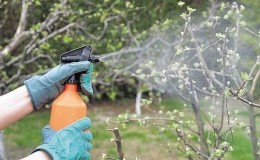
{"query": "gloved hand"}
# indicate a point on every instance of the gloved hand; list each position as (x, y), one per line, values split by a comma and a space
(43, 89)
(70, 143)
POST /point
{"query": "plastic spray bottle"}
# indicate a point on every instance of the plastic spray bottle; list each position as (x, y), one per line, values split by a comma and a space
(69, 107)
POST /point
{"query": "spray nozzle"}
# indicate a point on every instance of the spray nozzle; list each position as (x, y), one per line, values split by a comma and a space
(94, 59)
(79, 54)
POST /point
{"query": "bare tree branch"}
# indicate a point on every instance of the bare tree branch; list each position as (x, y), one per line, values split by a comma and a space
(243, 99)
(23, 19)
(98, 38)
(255, 80)
(118, 143)
(20, 34)
(16, 41)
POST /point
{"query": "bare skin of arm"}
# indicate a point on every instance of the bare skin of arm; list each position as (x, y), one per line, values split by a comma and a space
(41, 155)
(14, 106)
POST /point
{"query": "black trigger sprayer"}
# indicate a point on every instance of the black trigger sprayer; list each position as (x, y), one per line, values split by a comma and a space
(69, 106)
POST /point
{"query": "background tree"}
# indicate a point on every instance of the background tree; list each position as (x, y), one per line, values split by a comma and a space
(138, 39)
(201, 58)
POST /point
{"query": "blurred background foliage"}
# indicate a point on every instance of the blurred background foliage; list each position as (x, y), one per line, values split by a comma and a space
(106, 25)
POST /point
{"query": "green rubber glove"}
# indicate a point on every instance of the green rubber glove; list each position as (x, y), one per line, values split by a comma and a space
(70, 143)
(43, 89)
(85, 81)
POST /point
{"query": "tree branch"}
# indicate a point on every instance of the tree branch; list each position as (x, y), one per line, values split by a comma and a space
(243, 99)
(118, 143)
(22, 22)
(253, 87)
(20, 34)
(16, 41)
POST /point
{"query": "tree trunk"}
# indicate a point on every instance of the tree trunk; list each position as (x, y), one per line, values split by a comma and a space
(252, 121)
(2, 151)
(138, 110)
(203, 142)
(252, 126)
(253, 132)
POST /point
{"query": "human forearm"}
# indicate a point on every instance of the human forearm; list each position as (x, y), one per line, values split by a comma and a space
(39, 155)
(42, 89)
(14, 106)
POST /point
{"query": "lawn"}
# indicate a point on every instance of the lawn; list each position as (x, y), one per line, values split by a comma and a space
(145, 143)
(142, 143)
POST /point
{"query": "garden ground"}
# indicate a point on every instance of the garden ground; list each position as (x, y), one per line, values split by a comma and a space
(144, 143)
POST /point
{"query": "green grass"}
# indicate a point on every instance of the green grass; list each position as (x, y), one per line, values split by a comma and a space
(134, 134)
(137, 141)
(27, 132)
(99, 132)
(242, 147)
(171, 104)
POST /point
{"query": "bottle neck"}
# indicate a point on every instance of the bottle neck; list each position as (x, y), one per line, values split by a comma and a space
(71, 87)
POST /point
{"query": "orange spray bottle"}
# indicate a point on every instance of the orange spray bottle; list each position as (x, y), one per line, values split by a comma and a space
(69, 107)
